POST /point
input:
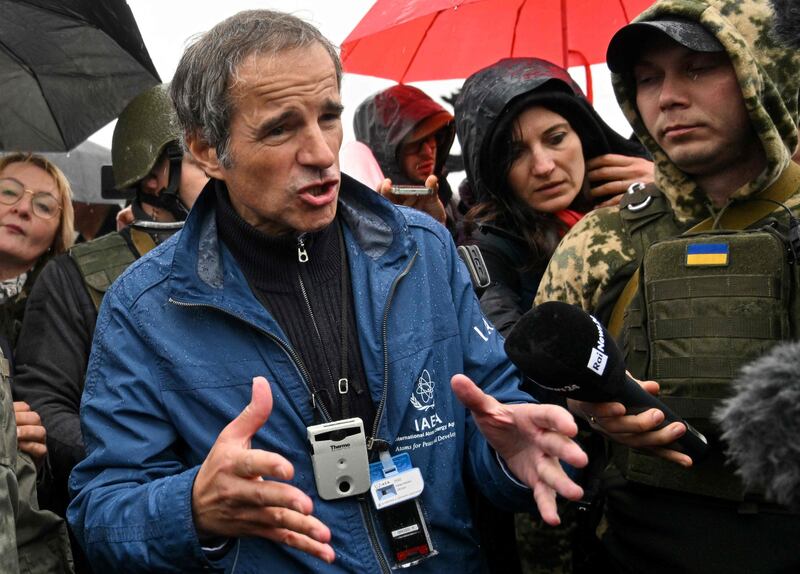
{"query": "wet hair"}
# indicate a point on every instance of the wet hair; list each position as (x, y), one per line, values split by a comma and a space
(498, 203)
(65, 234)
(208, 68)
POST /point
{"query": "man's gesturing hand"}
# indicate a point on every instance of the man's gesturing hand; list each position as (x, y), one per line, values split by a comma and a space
(531, 439)
(233, 495)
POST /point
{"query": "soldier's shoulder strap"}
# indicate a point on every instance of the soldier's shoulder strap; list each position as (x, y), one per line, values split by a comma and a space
(102, 260)
(646, 216)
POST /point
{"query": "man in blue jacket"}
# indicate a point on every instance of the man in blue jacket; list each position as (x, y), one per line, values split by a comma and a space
(289, 271)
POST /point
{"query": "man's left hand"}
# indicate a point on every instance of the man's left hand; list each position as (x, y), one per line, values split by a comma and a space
(531, 439)
(31, 434)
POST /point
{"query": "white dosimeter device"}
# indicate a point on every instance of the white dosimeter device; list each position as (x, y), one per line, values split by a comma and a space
(339, 457)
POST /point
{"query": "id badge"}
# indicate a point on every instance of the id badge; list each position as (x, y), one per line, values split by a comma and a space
(393, 485)
(395, 489)
(339, 457)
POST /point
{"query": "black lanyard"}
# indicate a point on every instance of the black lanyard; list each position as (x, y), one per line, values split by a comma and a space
(342, 385)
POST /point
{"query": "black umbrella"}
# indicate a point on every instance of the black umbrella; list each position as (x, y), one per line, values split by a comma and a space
(67, 68)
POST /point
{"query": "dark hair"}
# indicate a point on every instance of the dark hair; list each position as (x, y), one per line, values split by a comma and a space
(498, 203)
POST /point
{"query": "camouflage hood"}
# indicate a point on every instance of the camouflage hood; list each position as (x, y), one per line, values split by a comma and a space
(384, 120)
(769, 76)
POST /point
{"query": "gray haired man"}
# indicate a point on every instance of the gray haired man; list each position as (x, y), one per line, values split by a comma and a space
(359, 313)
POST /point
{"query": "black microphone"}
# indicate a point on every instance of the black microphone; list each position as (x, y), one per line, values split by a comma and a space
(761, 424)
(562, 349)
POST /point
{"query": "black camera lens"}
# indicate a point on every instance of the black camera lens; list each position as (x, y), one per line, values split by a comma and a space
(344, 487)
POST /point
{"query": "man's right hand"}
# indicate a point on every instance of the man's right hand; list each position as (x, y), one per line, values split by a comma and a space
(234, 493)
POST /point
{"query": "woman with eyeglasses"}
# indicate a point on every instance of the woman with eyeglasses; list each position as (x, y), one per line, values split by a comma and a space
(35, 223)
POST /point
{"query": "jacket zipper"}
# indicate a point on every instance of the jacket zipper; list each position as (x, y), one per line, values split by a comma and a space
(298, 362)
(385, 327)
(366, 513)
(366, 517)
(302, 254)
(302, 257)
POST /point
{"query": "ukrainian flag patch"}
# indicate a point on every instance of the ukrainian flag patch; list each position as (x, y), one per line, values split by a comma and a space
(707, 254)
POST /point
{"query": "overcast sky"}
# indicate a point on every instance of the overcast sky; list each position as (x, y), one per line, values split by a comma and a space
(167, 25)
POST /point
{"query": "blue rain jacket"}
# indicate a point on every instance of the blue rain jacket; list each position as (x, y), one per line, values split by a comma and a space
(179, 338)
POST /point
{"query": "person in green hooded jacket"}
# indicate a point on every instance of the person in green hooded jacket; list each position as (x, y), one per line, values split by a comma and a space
(691, 276)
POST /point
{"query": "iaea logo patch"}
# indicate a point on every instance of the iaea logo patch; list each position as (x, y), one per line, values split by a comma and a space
(422, 399)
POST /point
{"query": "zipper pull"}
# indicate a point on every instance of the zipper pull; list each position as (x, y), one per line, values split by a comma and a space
(302, 254)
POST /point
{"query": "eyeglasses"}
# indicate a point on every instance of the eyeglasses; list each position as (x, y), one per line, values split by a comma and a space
(43, 203)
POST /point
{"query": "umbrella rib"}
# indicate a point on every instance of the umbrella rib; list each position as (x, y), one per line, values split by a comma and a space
(516, 23)
(14, 56)
(350, 51)
(624, 11)
(419, 45)
(35, 77)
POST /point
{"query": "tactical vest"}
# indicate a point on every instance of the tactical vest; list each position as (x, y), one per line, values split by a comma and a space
(102, 260)
(705, 304)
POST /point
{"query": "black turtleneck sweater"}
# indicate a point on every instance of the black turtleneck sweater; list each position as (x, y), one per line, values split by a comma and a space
(272, 267)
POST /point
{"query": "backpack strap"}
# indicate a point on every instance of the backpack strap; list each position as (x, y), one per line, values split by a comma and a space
(142, 241)
(646, 217)
(625, 298)
(744, 213)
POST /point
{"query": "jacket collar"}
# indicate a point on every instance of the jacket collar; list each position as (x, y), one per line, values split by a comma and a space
(203, 271)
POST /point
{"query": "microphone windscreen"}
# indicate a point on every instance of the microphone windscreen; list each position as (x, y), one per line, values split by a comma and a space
(761, 424)
(563, 349)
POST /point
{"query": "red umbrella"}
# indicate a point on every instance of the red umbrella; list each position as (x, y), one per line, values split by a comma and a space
(415, 40)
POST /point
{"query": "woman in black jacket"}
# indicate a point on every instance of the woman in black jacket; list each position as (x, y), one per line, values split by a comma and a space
(537, 157)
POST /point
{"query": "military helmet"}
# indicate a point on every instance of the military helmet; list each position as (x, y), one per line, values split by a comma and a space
(144, 128)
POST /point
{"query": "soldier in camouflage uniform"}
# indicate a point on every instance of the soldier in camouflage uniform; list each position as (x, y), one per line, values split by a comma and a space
(669, 76)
